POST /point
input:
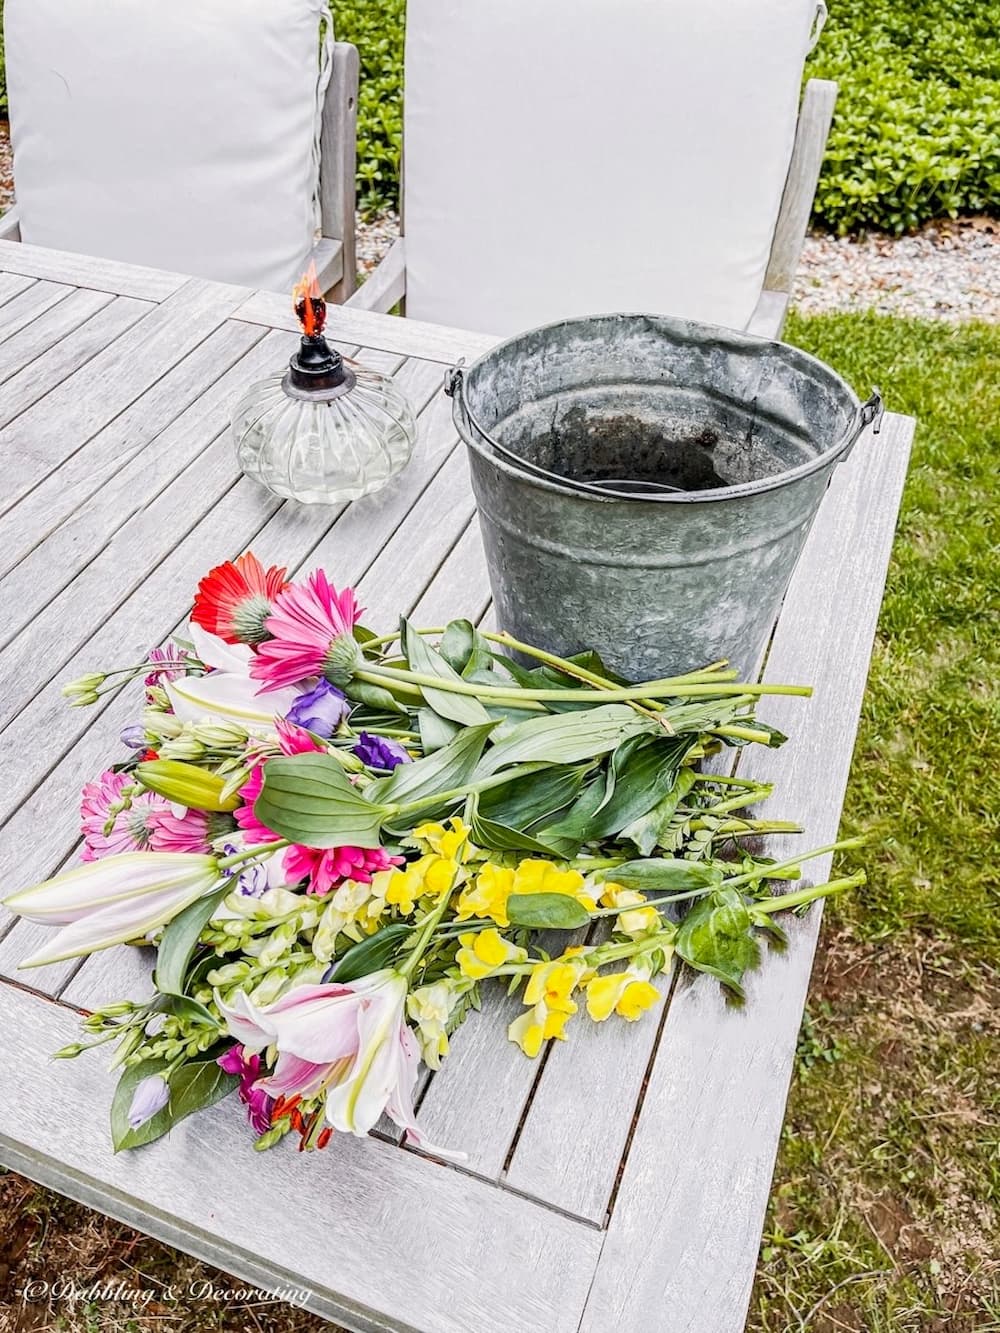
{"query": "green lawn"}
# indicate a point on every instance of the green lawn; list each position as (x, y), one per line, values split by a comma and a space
(884, 1214)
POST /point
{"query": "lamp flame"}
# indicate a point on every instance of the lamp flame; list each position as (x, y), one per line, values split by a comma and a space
(307, 300)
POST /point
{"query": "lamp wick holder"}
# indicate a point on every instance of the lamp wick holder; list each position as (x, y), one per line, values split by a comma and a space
(317, 372)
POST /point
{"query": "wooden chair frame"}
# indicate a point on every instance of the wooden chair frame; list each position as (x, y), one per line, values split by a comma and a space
(386, 287)
(334, 253)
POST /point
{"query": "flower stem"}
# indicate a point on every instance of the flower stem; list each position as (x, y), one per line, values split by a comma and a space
(651, 689)
(426, 931)
(261, 849)
(457, 793)
(766, 872)
(786, 901)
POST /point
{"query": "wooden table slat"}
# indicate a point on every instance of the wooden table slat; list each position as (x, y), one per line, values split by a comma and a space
(103, 275)
(12, 284)
(19, 313)
(45, 335)
(110, 383)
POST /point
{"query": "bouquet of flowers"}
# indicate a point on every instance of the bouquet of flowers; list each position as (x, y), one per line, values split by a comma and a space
(334, 839)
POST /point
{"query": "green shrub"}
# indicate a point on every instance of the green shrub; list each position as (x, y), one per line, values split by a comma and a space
(377, 27)
(917, 129)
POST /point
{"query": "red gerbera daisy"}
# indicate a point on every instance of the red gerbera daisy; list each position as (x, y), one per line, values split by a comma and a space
(234, 600)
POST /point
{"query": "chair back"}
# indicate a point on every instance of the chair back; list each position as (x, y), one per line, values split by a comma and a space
(182, 135)
(572, 157)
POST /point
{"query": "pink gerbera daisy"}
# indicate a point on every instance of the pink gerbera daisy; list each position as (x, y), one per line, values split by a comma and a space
(326, 870)
(307, 621)
(291, 740)
(116, 815)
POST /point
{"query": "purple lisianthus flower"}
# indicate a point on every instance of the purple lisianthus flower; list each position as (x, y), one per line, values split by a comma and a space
(134, 736)
(251, 882)
(380, 752)
(259, 1105)
(320, 710)
(151, 1095)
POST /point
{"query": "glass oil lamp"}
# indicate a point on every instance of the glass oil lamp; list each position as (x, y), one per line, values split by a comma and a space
(328, 430)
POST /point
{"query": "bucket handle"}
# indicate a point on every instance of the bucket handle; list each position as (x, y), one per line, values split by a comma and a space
(870, 413)
(453, 380)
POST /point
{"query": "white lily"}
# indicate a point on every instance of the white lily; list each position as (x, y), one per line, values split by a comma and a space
(113, 900)
(227, 693)
(350, 1043)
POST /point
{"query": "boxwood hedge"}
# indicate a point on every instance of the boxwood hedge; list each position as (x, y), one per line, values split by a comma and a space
(917, 130)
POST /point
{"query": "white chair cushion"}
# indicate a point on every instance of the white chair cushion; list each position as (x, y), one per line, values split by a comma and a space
(571, 157)
(179, 135)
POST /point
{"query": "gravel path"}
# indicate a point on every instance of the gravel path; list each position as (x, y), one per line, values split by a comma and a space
(947, 271)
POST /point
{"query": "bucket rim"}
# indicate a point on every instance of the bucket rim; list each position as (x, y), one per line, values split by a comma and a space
(737, 339)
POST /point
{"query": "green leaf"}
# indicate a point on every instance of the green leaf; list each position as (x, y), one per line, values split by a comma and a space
(371, 955)
(716, 936)
(447, 768)
(565, 738)
(308, 799)
(462, 708)
(374, 696)
(533, 798)
(663, 875)
(502, 838)
(546, 911)
(571, 829)
(645, 773)
(435, 731)
(650, 829)
(193, 1087)
(465, 650)
(180, 939)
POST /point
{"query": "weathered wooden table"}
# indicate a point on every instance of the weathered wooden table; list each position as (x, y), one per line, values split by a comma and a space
(619, 1183)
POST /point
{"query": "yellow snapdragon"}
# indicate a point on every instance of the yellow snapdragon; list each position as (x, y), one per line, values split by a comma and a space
(642, 921)
(486, 896)
(627, 993)
(450, 840)
(549, 995)
(430, 877)
(484, 951)
(432, 1009)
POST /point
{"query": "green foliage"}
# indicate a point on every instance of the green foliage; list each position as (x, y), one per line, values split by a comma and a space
(377, 30)
(916, 133)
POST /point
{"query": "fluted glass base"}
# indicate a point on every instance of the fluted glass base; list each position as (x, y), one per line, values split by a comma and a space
(324, 452)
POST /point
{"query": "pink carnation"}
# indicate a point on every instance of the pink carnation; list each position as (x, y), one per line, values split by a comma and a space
(328, 869)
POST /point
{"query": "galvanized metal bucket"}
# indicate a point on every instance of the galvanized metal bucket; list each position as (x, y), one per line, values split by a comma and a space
(645, 484)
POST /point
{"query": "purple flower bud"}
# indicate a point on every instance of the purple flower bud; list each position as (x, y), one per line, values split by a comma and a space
(151, 1095)
(320, 710)
(134, 736)
(380, 752)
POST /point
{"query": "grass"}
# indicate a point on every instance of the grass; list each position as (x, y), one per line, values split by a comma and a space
(884, 1212)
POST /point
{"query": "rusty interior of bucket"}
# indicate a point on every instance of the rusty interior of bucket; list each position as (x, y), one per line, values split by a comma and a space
(686, 442)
